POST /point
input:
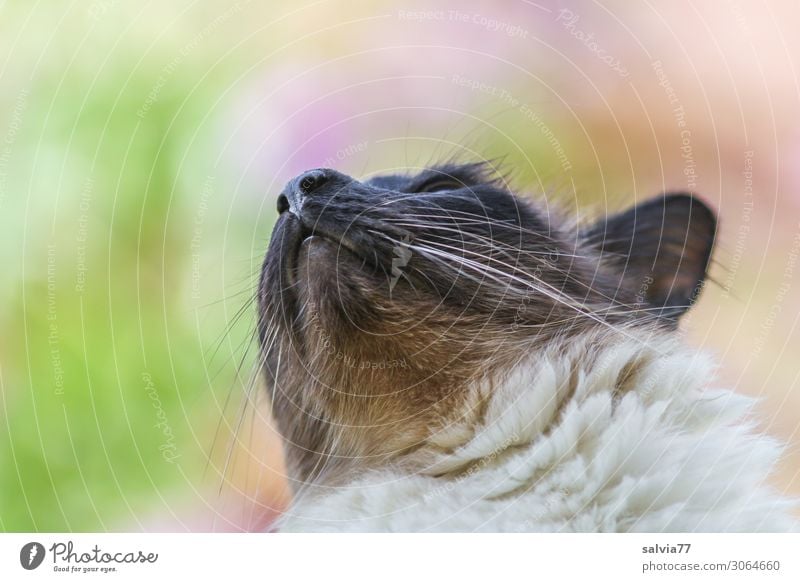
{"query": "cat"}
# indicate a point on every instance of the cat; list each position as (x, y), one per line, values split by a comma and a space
(444, 355)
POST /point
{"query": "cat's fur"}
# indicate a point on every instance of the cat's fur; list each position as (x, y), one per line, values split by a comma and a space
(442, 355)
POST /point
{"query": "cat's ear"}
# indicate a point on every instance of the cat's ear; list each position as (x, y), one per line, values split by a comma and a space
(660, 250)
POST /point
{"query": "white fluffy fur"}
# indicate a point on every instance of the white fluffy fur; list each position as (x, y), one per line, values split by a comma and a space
(610, 433)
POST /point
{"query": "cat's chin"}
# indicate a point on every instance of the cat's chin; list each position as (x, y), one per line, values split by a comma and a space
(333, 282)
(322, 259)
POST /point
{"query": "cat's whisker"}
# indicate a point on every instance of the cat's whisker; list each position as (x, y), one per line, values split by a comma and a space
(431, 228)
(566, 274)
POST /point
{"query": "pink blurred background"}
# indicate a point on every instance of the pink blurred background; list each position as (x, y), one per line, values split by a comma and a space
(641, 98)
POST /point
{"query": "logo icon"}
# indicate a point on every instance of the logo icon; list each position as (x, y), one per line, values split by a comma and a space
(402, 254)
(31, 555)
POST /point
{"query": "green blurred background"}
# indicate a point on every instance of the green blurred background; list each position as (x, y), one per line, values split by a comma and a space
(142, 147)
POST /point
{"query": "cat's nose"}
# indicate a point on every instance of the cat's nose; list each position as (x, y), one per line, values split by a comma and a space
(306, 183)
(321, 184)
(299, 187)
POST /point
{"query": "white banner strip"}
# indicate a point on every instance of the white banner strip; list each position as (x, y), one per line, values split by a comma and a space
(352, 557)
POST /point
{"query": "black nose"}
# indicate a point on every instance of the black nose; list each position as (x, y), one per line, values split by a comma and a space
(308, 182)
(301, 186)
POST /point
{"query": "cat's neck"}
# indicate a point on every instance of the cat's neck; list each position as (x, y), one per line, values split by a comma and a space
(503, 412)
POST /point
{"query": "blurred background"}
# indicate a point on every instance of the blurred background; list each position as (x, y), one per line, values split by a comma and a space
(142, 146)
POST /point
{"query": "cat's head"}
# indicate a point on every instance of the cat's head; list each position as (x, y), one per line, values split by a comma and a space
(381, 301)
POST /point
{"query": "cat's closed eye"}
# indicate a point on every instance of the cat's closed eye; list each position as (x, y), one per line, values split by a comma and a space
(439, 184)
